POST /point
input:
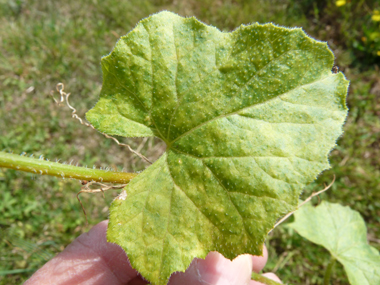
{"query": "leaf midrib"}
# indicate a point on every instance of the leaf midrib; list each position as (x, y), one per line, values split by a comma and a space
(169, 144)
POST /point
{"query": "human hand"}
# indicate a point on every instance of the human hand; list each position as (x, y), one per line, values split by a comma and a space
(90, 259)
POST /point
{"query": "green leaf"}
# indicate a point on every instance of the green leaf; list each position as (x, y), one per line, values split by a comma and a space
(343, 233)
(248, 119)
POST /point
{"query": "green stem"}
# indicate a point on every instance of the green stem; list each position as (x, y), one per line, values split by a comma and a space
(262, 279)
(43, 167)
(330, 266)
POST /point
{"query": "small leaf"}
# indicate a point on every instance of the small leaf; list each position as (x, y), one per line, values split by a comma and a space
(248, 119)
(343, 233)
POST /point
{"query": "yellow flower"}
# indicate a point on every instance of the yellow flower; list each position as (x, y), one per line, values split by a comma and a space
(378, 52)
(376, 16)
(340, 3)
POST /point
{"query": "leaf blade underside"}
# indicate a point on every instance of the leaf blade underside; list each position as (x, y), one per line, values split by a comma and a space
(248, 117)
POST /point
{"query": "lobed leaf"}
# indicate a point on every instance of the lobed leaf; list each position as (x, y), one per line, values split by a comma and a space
(248, 119)
(343, 233)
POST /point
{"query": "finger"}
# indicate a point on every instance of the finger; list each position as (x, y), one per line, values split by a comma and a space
(216, 270)
(258, 262)
(87, 260)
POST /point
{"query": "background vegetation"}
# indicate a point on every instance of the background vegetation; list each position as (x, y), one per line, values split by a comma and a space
(46, 42)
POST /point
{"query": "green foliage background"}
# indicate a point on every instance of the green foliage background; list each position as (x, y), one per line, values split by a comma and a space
(46, 42)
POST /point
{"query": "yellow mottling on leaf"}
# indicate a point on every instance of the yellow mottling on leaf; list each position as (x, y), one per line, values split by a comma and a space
(238, 134)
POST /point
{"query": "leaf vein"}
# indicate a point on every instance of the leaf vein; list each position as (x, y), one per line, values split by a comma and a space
(152, 82)
(229, 197)
(190, 198)
(236, 112)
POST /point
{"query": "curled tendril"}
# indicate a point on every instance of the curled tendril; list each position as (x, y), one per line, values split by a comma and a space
(101, 188)
(65, 98)
(303, 203)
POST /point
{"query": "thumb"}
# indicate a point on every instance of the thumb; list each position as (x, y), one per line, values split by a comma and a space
(216, 270)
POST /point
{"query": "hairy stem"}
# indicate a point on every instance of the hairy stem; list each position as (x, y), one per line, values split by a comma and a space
(43, 167)
(330, 266)
(262, 279)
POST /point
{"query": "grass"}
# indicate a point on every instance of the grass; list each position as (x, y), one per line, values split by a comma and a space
(46, 42)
